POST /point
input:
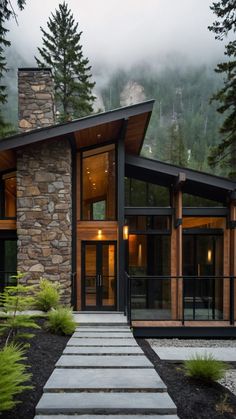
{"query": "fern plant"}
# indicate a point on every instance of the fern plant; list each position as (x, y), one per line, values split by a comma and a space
(14, 301)
(48, 295)
(205, 367)
(13, 375)
(61, 322)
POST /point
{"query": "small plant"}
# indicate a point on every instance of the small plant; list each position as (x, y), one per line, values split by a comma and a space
(14, 301)
(60, 321)
(205, 367)
(223, 406)
(13, 375)
(48, 295)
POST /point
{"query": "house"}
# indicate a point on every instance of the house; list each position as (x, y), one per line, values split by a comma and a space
(118, 231)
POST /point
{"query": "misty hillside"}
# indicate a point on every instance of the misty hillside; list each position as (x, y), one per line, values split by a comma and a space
(183, 125)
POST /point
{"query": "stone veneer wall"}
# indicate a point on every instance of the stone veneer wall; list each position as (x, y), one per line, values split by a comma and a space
(36, 98)
(44, 213)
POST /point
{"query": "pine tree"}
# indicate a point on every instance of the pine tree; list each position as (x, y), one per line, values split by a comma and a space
(6, 11)
(62, 51)
(225, 152)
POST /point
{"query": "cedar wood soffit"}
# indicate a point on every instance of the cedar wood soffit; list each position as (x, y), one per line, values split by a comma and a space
(93, 130)
(191, 181)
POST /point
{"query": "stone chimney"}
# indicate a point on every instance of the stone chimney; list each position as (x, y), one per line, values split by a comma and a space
(36, 98)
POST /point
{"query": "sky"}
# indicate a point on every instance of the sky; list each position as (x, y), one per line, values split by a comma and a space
(120, 33)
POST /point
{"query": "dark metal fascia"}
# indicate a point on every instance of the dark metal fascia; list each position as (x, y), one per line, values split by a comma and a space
(173, 171)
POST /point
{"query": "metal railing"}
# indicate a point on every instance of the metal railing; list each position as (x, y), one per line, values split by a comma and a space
(180, 298)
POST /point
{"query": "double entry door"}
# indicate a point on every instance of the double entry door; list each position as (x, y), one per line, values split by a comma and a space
(99, 275)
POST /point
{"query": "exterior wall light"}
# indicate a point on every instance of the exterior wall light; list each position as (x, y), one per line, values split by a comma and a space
(125, 232)
(99, 233)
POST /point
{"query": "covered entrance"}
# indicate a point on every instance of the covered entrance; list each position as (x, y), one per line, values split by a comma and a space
(99, 275)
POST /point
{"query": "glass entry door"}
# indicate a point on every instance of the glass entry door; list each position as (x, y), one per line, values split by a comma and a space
(99, 275)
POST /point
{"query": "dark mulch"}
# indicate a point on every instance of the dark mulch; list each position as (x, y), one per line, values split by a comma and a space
(194, 399)
(45, 349)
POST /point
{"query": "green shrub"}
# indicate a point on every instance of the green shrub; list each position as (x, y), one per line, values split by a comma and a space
(14, 300)
(13, 376)
(48, 295)
(205, 367)
(60, 321)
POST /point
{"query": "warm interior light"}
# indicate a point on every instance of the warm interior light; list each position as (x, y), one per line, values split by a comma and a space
(209, 255)
(99, 233)
(140, 254)
(125, 232)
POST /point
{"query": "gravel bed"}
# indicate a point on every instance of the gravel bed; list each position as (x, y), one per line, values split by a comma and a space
(205, 343)
(229, 381)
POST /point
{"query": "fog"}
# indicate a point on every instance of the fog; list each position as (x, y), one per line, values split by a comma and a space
(119, 33)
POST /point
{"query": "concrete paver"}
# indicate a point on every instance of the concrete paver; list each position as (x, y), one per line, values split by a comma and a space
(104, 403)
(184, 353)
(106, 379)
(99, 335)
(101, 342)
(103, 350)
(116, 329)
(100, 318)
(108, 361)
(106, 417)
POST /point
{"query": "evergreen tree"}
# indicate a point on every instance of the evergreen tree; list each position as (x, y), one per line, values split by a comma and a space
(6, 11)
(62, 51)
(225, 152)
(175, 150)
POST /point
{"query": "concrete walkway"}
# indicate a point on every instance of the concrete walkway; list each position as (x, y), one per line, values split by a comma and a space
(173, 354)
(103, 373)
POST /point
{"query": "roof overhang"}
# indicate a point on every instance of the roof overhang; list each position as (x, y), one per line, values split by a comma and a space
(192, 181)
(92, 130)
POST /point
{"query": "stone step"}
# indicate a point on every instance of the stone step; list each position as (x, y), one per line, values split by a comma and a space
(106, 403)
(117, 329)
(97, 379)
(103, 350)
(102, 342)
(106, 417)
(108, 361)
(99, 335)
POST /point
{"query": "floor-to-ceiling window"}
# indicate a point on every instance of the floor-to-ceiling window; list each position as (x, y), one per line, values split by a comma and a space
(99, 183)
(149, 266)
(203, 268)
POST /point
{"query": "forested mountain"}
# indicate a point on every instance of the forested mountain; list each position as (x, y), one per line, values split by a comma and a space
(184, 124)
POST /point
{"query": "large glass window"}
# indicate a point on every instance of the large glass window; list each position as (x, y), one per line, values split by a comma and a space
(203, 267)
(8, 195)
(99, 184)
(148, 222)
(8, 261)
(198, 201)
(149, 254)
(142, 194)
(149, 267)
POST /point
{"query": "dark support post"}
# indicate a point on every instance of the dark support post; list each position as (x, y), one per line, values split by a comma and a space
(73, 215)
(232, 300)
(121, 289)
